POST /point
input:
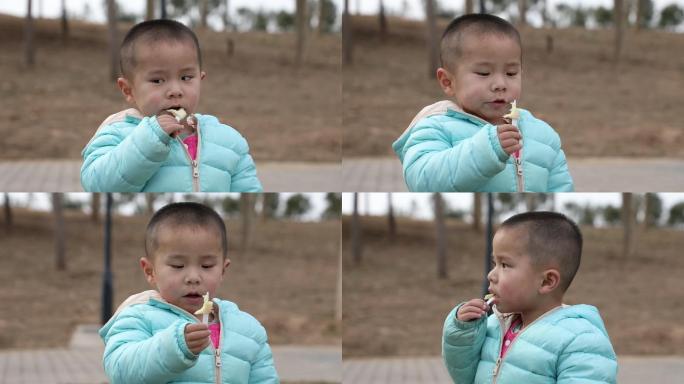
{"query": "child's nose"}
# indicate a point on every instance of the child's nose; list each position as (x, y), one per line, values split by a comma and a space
(491, 275)
(174, 90)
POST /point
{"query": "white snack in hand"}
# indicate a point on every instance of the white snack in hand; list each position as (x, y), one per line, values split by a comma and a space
(179, 113)
(207, 307)
(489, 298)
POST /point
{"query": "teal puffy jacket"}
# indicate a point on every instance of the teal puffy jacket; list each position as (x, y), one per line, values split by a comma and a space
(445, 149)
(145, 343)
(567, 345)
(131, 153)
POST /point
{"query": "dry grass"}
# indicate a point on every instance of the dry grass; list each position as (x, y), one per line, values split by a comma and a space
(395, 305)
(633, 109)
(285, 114)
(286, 280)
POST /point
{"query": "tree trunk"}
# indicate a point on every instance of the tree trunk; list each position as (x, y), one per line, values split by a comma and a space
(619, 19)
(382, 20)
(246, 211)
(163, 9)
(477, 212)
(640, 5)
(29, 49)
(65, 23)
(113, 42)
(356, 232)
(522, 13)
(338, 294)
(149, 202)
(391, 221)
(8, 212)
(321, 16)
(301, 31)
(441, 236)
(545, 14)
(149, 14)
(531, 201)
(60, 262)
(469, 7)
(226, 16)
(204, 11)
(432, 39)
(628, 224)
(347, 40)
(95, 208)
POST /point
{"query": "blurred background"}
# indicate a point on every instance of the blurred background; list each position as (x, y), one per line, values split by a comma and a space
(609, 86)
(55, 283)
(409, 258)
(272, 68)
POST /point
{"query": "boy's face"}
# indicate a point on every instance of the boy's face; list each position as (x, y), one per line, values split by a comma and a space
(515, 281)
(186, 264)
(166, 75)
(486, 78)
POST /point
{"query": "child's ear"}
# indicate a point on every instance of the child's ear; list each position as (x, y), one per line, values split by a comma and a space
(148, 270)
(445, 80)
(126, 89)
(226, 263)
(551, 281)
(202, 76)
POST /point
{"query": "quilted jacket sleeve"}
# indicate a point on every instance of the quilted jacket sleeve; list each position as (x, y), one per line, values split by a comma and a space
(245, 177)
(263, 371)
(559, 176)
(433, 164)
(461, 346)
(589, 358)
(119, 159)
(134, 355)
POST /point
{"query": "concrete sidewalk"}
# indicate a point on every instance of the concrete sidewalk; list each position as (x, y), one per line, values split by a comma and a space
(64, 176)
(431, 370)
(81, 363)
(601, 174)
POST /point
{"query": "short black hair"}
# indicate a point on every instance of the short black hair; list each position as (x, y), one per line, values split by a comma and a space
(477, 23)
(153, 31)
(186, 214)
(552, 236)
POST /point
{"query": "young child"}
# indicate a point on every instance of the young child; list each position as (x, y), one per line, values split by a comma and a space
(532, 337)
(466, 144)
(154, 336)
(146, 148)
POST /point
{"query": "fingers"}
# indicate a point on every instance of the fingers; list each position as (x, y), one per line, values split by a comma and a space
(472, 310)
(509, 137)
(197, 337)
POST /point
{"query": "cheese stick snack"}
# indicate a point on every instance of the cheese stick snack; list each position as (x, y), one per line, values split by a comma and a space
(514, 115)
(489, 299)
(206, 309)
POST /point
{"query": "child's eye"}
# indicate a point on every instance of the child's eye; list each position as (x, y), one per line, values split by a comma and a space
(175, 266)
(208, 266)
(482, 73)
(156, 81)
(512, 74)
(187, 78)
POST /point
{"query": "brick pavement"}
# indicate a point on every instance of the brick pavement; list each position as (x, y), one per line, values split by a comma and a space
(384, 174)
(64, 176)
(81, 362)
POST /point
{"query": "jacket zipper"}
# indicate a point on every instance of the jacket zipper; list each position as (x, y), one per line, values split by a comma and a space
(217, 353)
(194, 164)
(499, 360)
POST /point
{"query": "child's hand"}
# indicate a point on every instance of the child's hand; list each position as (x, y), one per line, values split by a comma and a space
(169, 124)
(472, 310)
(197, 337)
(509, 137)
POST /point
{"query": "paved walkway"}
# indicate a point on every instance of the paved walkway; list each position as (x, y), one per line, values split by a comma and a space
(81, 363)
(431, 370)
(64, 176)
(606, 174)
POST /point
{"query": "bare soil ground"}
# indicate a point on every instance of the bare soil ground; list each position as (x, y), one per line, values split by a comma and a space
(632, 109)
(394, 305)
(284, 113)
(287, 278)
